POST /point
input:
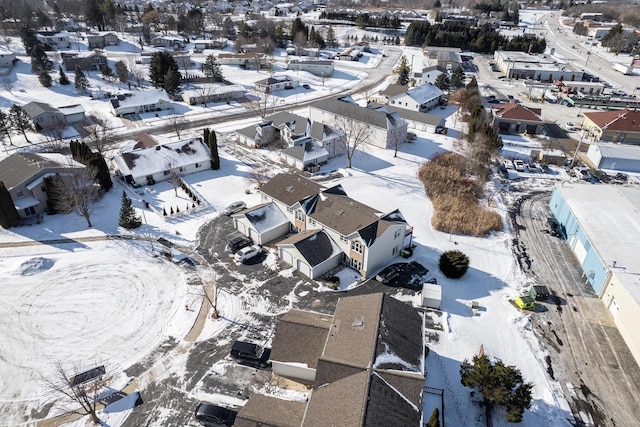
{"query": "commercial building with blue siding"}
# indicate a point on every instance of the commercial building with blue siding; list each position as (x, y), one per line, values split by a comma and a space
(602, 226)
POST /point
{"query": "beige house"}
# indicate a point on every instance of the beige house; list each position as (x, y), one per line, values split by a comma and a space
(23, 175)
(331, 228)
(613, 126)
(517, 118)
(621, 296)
(320, 68)
(362, 371)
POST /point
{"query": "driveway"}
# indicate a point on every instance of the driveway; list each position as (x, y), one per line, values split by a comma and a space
(586, 353)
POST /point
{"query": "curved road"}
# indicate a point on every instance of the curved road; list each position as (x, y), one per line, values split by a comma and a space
(587, 355)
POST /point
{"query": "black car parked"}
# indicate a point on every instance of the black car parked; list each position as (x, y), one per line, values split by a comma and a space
(209, 414)
(238, 243)
(252, 354)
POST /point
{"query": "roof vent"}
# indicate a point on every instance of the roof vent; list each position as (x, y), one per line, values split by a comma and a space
(289, 189)
(340, 213)
(357, 323)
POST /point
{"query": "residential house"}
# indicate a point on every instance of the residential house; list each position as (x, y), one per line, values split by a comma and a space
(23, 175)
(43, 115)
(262, 224)
(383, 128)
(54, 39)
(244, 60)
(333, 228)
(140, 102)
(428, 75)
(102, 39)
(305, 154)
(7, 59)
(446, 58)
(73, 113)
(213, 93)
(148, 161)
(420, 98)
(275, 83)
(415, 119)
(283, 126)
(355, 358)
(349, 54)
(613, 126)
(320, 68)
(92, 60)
(200, 45)
(517, 118)
(170, 41)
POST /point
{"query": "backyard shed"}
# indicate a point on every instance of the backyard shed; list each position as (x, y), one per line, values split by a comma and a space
(431, 295)
(525, 301)
(539, 292)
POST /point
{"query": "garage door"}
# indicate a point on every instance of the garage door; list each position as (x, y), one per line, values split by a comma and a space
(578, 249)
(286, 256)
(304, 268)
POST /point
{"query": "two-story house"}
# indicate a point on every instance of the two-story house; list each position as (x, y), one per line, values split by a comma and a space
(420, 98)
(102, 39)
(54, 39)
(331, 228)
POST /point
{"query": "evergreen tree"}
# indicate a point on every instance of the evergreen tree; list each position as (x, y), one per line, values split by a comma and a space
(442, 82)
(29, 39)
(499, 385)
(20, 120)
(434, 421)
(457, 77)
(64, 80)
(212, 143)
(81, 81)
(161, 63)
(211, 69)
(205, 134)
(332, 42)
(39, 59)
(103, 177)
(8, 214)
(122, 71)
(107, 72)
(6, 126)
(172, 82)
(403, 71)
(44, 78)
(128, 217)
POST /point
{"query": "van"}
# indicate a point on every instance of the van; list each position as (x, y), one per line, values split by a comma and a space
(250, 354)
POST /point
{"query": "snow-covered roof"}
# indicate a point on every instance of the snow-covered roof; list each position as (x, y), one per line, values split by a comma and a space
(308, 151)
(265, 217)
(145, 97)
(614, 231)
(424, 93)
(148, 161)
(214, 90)
(71, 109)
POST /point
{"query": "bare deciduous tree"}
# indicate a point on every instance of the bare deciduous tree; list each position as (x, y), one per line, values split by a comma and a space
(54, 136)
(99, 133)
(8, 84)
(76, 192)
(356, 131)
(136, 73)
(68, 383)
(259, 174)
(177, 123)
(261, 103)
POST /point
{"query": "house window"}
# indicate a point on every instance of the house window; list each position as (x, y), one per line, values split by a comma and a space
(343, 239)
(394, 252)
(300, 215)
(29, 211)
(312, 222)
(44, 189)
(355, 264)
(165, 173)
(197, 165)
(397, 234)
(290, 209)
(356, 246)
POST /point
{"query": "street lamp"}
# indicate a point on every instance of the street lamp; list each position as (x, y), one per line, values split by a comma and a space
(587, 61)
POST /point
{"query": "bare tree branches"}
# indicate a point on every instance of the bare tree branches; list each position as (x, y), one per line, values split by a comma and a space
(75, 192)
(356, 132)
(177, 123)
(261, 103)
(54, 135)
(98, 132)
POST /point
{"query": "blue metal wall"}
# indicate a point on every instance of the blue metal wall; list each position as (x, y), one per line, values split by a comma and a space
(592, 266)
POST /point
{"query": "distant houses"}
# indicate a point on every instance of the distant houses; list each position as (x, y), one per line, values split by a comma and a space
(55, 40)
(44, 115)
(145, 101)
(102, 39)
(320, 68)
(92, 60)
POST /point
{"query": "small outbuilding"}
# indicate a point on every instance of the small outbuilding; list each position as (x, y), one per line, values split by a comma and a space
(431, 295)
(525, 302)
(539, 292)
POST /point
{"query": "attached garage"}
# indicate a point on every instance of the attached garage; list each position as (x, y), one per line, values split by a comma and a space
(303, 268)
(311, 252)
(262, 224)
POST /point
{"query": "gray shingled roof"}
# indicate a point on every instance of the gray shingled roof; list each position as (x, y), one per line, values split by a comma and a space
(290, 188)
(347, 109)
(34, 109)
(343, 214)
(20, 167)
(300, 337)
(410, 115)
(263, 411)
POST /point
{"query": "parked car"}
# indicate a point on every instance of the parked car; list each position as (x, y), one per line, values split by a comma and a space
(441, 130)
(234, 208)
(249, 353)
(411, 136)
(247, 253)
(238, 243)
(508, 164)
(389, 274)
(518, 165)
(569, 126)
(306, 86)
(209, 414)
(533, 168)
(581, 172)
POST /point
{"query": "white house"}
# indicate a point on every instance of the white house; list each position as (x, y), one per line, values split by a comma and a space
(275, 83)
(102, 39)
(213, 93)
(172, 41)
(333, 228)
(262, 224)
(384, 128)
(305, 154)
(148, 161)
(244, 60)
(428, 75)
(140, 102)
(320, 68)
(7, 59)
(420, 98)
(57, 40)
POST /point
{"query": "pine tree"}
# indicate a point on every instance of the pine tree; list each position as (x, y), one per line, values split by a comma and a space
(5, 125)
(122, 71)
(103, 178)
(172, 82)
(8, 214)
(212, 143)
(20, 120)
(457, 77)
(107, 72)
(161, 63)
(39, 59)
(434, 421)
(403, 71)
(29, 38)
(442, 82)
(332, 42)
(211, 69)
(44, 78)
(128, 217)
(164, 211)
(64, 80)
(81, 81)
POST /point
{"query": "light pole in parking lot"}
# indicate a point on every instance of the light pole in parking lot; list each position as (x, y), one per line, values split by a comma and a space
(587, 61)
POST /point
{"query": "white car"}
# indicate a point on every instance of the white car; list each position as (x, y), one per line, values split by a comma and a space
(518, 165)
(508, 164)
(247, 253)
(234, 207)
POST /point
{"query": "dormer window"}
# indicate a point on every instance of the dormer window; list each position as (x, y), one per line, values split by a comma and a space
(356, 246)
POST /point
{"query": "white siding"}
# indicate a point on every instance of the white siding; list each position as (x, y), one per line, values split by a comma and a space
(294, 371)
(625, 312)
